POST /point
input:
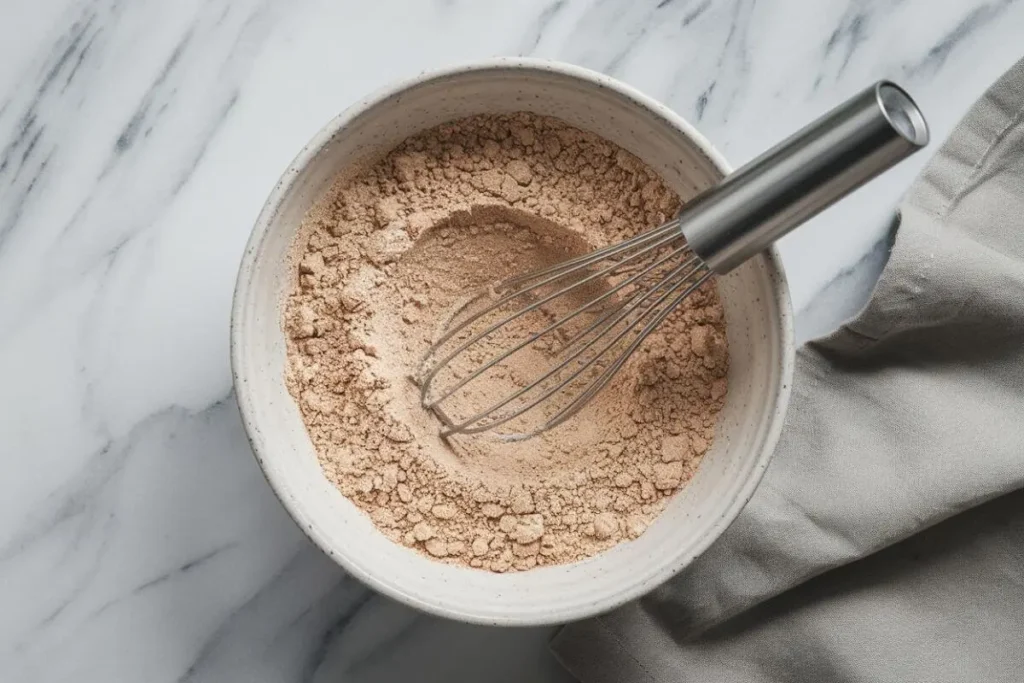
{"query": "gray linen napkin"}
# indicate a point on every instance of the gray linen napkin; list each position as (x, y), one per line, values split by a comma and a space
(903, 426)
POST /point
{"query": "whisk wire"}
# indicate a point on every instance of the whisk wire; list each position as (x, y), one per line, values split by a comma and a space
(597, 385)
(672, 227)
(429, 376)
(553, 326)
(465, 427)
(692, 261)
(625, 310)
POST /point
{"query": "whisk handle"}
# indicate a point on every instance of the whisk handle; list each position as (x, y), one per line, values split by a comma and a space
(819, 165)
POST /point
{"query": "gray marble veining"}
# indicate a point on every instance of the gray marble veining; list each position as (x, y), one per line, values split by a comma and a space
(138, 140)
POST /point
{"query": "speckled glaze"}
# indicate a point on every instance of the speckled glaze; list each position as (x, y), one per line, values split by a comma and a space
(758, 315)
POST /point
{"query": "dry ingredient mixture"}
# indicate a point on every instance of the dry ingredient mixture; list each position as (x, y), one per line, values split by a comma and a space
(381, 261)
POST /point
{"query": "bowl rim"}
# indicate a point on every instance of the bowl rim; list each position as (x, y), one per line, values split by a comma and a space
(246, 402)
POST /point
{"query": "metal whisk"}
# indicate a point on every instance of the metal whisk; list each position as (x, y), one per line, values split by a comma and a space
(559, 335)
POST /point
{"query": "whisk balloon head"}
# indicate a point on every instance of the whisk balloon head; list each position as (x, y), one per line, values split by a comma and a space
(524, 355)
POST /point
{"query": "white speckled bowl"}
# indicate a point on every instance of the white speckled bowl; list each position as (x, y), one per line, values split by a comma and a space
(758, 315)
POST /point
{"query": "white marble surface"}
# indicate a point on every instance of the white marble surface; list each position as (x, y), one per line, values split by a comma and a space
(138, 140)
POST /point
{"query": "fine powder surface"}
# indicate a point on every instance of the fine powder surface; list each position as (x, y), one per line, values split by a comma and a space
(381, 261)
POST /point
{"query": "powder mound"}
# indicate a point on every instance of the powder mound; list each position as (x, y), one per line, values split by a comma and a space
(380, 264)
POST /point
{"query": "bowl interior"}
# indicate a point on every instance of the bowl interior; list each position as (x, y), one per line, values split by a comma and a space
(757, 314)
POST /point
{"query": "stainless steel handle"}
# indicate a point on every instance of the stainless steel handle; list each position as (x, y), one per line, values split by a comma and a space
(813, 169)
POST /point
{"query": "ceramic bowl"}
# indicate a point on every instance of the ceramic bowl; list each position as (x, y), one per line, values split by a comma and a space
(758, 317)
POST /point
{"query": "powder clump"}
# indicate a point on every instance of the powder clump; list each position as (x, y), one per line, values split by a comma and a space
(380, 263)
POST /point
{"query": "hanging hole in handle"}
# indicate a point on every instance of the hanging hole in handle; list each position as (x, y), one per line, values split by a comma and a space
(901, 112)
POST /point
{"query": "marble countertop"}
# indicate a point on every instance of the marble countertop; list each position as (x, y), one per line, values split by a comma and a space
(138, 539)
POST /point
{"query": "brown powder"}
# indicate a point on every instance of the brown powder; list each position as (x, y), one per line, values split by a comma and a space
(384, 257)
